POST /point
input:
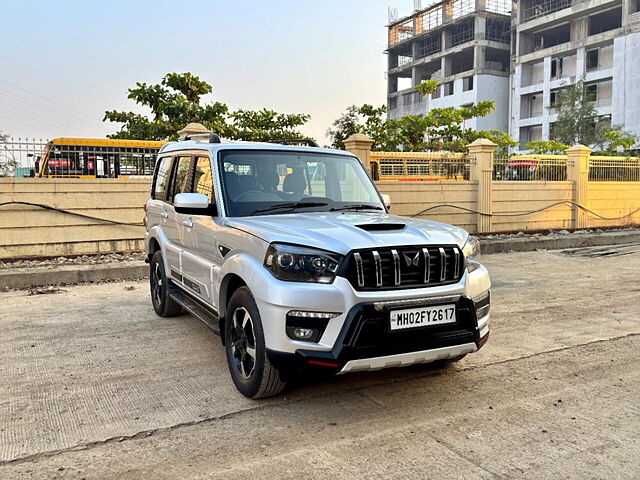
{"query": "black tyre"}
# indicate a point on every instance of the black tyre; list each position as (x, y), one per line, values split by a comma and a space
(250, 369)
(162, 303)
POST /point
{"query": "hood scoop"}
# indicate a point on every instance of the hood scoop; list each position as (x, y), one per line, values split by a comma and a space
(381, 227)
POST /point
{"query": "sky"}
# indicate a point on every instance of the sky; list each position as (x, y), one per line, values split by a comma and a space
(64, 63)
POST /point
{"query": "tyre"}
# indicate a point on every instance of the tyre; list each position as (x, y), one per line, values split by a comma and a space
(250, 369)
(162, 303)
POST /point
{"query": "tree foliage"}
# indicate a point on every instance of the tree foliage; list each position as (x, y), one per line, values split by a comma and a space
(546, 147)
(8, 162)
(577, 117)
(439, 129)
(425, 87)
(177, 101)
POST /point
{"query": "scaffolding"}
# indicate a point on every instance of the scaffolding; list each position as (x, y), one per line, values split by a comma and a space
(502, 7)
(431, 19)
(539, 8)
(461, 33)
(460, 8)
(498, 30)
(429, 46)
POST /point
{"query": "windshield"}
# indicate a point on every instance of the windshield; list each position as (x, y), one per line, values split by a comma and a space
(269, 182)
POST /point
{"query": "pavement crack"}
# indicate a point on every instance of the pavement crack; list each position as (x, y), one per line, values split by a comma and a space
(357, 390)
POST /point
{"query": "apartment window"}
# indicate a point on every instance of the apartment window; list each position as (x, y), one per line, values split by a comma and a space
(591, 92)
(603, 22)
(592, 59)
(634, 6)
(552, 99)
(448, 89)
(467, 84)
(393, 103)
(436, 93)
(556, 67)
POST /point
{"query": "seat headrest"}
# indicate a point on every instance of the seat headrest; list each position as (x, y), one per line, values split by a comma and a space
(294, 183)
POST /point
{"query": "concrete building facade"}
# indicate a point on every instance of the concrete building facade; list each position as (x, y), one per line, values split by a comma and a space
(520, 55)
(560, 42)
(465, 46)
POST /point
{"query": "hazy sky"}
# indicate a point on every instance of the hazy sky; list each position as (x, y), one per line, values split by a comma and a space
(63, 63)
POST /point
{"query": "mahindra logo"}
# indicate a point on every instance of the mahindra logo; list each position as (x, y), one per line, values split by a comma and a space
(411, 261)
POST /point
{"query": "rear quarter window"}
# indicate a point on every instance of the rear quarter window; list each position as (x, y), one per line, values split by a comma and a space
(161, 179)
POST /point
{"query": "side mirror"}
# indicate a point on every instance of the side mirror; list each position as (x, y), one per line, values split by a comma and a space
(387, 200)
(192, 203)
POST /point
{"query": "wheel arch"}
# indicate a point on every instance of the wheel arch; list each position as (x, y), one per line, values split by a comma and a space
(230, 283)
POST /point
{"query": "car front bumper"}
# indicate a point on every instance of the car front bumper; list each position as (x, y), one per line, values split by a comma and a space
(358, 338)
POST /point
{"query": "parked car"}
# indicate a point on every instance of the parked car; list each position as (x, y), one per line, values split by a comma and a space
(289, 253)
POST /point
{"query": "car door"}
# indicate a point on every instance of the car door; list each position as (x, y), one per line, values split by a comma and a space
(201, 259)
(180, 183)
(160, 212)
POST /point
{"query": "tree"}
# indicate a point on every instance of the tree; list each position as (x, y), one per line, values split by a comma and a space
(425, 87)
(8, 162)
(439, 129)
(577, 117)
(176, 101)
(546, 147)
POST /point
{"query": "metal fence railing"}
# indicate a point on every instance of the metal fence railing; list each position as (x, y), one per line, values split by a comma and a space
(614, 169)
(21, 152)
(419, 166)
(547, 168)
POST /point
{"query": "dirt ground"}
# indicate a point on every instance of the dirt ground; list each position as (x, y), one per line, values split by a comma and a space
(95, 386)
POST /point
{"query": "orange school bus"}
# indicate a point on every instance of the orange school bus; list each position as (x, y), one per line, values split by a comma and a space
(97, 158)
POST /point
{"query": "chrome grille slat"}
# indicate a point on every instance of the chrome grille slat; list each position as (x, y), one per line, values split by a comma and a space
(443, 264)
(396, 267)
(359, 269)
(378, 262)
(456, 261)
(427, 266)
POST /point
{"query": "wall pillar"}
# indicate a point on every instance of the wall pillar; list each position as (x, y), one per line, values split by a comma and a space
(360, 145)
(578, 173)
(481, 170)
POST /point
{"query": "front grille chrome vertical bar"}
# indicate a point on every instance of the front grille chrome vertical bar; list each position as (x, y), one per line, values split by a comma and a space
(443, 264)
(456, 268)
(427, 266)
(396, 267)
(378, 262)
(359, 269)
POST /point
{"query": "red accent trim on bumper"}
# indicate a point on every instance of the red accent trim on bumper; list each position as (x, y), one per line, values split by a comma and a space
(483, 340)
(323, 364)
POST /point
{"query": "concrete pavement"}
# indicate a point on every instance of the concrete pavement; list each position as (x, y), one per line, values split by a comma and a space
(97, 386)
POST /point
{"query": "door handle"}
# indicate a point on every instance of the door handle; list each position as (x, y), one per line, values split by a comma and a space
(164, 214)
(188, 223)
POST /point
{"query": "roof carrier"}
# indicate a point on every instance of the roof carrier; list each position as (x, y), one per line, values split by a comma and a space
(213, 137)
(297, 141)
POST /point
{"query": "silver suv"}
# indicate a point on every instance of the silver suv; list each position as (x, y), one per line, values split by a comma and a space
(290, 255)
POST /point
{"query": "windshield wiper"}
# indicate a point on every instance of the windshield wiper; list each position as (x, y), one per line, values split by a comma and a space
(291, 206)
(362, 206)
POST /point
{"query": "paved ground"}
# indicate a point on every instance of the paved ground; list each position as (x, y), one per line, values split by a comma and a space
(94, 385)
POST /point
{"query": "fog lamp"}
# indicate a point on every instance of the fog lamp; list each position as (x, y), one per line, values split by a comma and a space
(303, 333)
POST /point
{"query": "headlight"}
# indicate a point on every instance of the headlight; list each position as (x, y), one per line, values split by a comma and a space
(471, 250)
(301, 264)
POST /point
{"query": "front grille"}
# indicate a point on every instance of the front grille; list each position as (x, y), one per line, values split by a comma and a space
(403, 267)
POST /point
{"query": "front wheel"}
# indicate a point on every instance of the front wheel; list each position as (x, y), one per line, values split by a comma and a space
(250, 369)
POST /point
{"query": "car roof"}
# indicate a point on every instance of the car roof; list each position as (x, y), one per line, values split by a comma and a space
(237, 145)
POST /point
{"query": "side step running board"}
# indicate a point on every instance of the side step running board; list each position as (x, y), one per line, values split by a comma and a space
(196, 309)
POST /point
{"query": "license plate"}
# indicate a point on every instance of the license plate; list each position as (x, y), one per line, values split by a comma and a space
(422, 317)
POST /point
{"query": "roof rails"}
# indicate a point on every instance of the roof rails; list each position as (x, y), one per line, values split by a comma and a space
(297, 141)
(213, 137)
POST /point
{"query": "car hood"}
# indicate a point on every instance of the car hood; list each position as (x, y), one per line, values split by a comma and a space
(341, 232)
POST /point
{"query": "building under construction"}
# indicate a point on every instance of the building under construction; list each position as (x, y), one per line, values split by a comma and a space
(520, 55)
(464, 45)
(560, 42)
